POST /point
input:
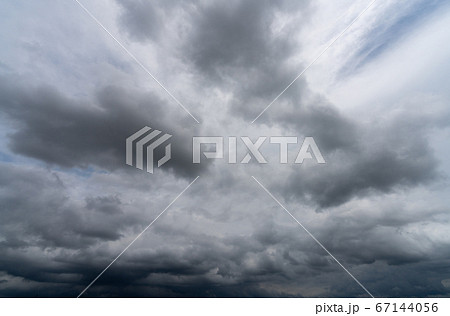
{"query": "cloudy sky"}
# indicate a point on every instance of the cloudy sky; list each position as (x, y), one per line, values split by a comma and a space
(377, 103)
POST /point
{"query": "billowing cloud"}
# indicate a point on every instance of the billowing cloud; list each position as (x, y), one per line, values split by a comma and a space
(69, 204)
(62, 131)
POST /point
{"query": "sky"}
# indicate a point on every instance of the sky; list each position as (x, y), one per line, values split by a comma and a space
(376, 103)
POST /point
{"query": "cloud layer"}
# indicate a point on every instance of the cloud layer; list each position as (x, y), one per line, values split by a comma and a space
(69, 204)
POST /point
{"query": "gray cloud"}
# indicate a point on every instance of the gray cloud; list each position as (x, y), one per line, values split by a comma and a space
(48, 218)
(68, 211)
(362, 158)
(62, 131)
(142, 19)
(239, 46)
(60, 242)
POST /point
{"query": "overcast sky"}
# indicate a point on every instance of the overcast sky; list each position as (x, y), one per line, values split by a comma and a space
(377, 104)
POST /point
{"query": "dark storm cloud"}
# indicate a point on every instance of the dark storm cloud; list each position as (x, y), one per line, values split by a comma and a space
(318, 118)
(57, 244)
(235, 34)
(361, 158)
(407, 280)
(241, 47)
(379, 172)
(414, 280)
(55, 240)
(47, 218)
(58, 130)
(235, 44)
(208, 266)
